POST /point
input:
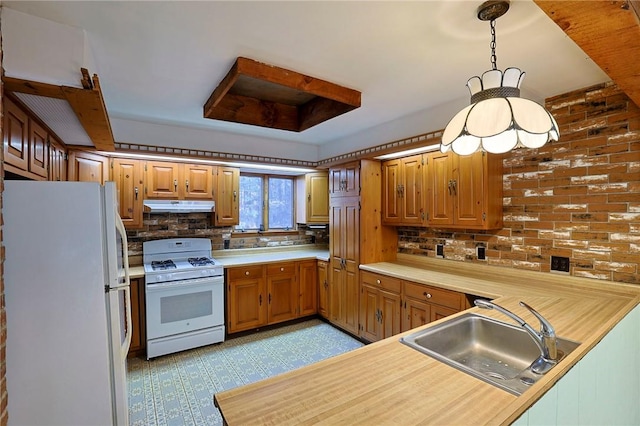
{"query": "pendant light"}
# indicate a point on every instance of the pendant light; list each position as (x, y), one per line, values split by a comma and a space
(498, 119)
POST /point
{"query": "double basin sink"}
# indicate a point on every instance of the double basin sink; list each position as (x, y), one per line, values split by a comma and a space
(498, 353)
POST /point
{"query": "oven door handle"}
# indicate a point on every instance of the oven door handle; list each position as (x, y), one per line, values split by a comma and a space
(192, 283)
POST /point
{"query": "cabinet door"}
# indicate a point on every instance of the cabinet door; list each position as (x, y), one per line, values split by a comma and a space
(246, 302)
(317, 187)
(391, 203)
(440, 184)
(228, 187)
(468, 189)
(16, 136)
(344, 181)
(416, 313)
(162, 180)
(87, 167)
(369, 312)
(57, 161)
(439, 312)
(197, 182)
(38, 150)
(323, 289)
(391, 315)
(127, 174)
(412, 195)
(308, 287)
(283, 294)
(137, 341)
(344, 239)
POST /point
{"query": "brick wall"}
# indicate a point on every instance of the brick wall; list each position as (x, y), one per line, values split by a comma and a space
(577, 198)
(198, 225)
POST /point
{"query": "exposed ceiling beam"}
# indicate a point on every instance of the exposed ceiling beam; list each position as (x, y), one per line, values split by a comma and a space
(87, 104)
(607, 31)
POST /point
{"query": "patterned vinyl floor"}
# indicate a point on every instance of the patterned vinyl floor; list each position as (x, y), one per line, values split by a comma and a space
(178, 389)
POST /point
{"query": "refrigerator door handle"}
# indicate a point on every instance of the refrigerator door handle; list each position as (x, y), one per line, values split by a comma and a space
(127, 283)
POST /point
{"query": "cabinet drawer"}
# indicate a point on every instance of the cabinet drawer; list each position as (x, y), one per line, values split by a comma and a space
(430, 294)
(383, 281)
(281, 269)
(245, 272)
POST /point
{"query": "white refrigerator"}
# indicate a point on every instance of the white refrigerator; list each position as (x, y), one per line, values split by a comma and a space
(67, 302)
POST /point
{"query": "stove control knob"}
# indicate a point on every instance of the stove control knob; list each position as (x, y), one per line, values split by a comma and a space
(159, 278)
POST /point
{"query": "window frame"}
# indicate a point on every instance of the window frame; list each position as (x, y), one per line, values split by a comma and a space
(265, 204)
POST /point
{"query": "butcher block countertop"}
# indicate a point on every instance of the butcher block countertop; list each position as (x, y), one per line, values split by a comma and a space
(258, 256)
(389, 383)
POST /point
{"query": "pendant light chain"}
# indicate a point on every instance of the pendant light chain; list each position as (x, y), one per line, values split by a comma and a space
(494, 59)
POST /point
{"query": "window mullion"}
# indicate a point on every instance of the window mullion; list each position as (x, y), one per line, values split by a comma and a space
(265, 202)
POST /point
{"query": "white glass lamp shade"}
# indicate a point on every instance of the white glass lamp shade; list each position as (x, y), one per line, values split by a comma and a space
(498, 120)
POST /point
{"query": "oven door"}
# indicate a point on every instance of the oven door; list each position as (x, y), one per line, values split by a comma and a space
(181, 306)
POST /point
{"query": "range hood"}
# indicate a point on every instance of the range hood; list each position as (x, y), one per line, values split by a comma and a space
(179, 206)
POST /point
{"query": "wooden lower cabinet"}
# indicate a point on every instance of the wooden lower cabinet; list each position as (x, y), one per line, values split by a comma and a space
(282, 303)
(380, 306)
(138, 318)
(389, 306)
(307, 288)
(246, 304)
(424, 304)
(268, 294)
(323, 289)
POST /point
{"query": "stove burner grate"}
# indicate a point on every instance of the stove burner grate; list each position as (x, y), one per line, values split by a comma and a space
(161, 265)
(200, 261)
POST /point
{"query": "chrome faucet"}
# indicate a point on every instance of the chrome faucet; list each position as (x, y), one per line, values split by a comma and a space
(545, 339)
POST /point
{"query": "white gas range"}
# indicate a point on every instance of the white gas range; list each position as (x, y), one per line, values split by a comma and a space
(185, 295)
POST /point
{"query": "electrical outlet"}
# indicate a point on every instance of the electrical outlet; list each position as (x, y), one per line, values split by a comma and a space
(440, 250)
(560, 264)
(481, 253)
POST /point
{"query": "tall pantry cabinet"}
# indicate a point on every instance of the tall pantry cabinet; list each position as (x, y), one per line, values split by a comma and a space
(356, 236)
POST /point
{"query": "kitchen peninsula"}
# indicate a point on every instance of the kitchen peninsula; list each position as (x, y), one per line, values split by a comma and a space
(389, 383)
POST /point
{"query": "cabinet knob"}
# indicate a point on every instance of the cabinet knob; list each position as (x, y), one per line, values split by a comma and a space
(281, 269)
(427, 295)
(135, 189)
(246, 272)
(377, 281)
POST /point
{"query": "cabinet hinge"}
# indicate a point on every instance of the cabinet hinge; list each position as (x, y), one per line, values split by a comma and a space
(145, 167)
(66, 157)
(359, 206)
(484, 216)
(111, 163)
(422, 159)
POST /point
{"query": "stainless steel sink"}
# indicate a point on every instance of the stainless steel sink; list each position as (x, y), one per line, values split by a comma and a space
(491, 350)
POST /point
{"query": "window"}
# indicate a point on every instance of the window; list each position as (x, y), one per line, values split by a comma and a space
(266, 202)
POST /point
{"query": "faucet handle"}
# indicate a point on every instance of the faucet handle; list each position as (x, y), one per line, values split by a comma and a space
(545, 326)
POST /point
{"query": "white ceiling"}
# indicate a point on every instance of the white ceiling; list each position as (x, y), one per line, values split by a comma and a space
(158, 62)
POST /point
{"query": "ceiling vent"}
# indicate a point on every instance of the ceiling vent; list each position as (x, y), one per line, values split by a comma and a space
(267, 96)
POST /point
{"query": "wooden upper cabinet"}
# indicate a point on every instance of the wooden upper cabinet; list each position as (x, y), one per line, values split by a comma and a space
(162, 180)
(38, 150)
(403, 198)
(128, 176)
(227, 196)
(312, 198)
(16, 135)
(166, 180)
(344, 180)
(465, 191)
(198, 181)
(57, 160)
(88, 167)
